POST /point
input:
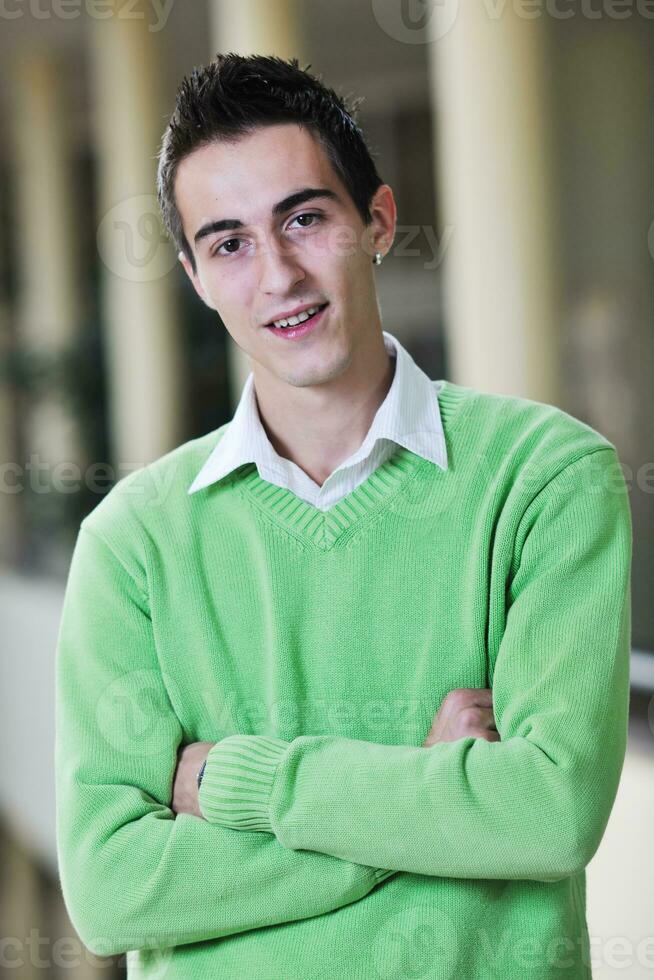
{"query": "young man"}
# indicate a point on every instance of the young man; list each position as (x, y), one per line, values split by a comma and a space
(382, 622)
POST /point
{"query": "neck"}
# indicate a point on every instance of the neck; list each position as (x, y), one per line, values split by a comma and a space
(319, 426)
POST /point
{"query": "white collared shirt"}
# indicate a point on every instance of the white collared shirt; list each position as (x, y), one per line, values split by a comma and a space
(409, 416)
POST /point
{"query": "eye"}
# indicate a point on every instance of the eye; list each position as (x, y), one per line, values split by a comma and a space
(307, 214)
(230, 241)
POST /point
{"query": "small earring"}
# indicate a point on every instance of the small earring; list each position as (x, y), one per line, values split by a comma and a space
(377, 259)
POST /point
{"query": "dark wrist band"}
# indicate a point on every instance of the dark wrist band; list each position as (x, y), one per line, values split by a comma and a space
(201, 773)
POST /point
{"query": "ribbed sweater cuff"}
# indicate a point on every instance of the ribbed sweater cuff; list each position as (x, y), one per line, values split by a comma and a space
(238, 778)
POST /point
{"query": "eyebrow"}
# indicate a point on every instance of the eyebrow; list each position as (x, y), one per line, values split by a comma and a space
(287, 204)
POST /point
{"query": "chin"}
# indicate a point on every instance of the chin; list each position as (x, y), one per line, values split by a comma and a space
(306, 379)
(320, 369)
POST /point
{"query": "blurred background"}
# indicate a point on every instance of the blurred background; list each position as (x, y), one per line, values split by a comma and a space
(517, 137)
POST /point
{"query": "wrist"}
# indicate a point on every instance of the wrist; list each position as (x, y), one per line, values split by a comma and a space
(236, 787)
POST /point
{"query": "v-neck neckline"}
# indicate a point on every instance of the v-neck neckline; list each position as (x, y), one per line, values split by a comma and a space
(325, 527)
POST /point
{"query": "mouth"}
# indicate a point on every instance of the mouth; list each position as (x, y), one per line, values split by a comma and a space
(302, 327)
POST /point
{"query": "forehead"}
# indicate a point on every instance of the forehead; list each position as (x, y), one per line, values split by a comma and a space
(245, 178)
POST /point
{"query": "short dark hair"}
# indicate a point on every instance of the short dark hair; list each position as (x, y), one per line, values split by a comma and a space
(235, 94)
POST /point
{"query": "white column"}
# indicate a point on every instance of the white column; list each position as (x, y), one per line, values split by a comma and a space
(489, 88)
(268, 27)
(49, 305)
(9, 512)
(147, 403)
(8, 462)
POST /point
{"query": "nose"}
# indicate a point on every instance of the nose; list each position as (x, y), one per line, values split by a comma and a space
(280, 265)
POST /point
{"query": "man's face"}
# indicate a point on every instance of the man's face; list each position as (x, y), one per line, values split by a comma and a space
(309, 253)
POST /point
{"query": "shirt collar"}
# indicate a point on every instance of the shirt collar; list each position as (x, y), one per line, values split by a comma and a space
(409, 416)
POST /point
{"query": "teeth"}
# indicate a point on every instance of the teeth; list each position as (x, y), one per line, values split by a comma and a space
(292, 321)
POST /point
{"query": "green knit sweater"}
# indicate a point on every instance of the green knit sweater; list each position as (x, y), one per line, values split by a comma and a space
(315, 648)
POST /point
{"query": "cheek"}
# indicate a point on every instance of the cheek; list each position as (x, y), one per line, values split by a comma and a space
(351, 270)
(336, 246)
(227, 292)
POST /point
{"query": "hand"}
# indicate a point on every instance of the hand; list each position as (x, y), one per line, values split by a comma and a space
(464, 711)
(185, 786)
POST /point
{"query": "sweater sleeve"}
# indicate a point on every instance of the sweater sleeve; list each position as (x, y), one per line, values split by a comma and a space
(533, 805)
(133, 874)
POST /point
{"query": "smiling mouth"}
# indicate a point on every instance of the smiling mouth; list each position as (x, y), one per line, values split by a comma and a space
(292, 326)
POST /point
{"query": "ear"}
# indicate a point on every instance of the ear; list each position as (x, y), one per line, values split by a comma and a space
(197, 285)
(383, 212)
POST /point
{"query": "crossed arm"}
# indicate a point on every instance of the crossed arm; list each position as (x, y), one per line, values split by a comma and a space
(465, 712)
